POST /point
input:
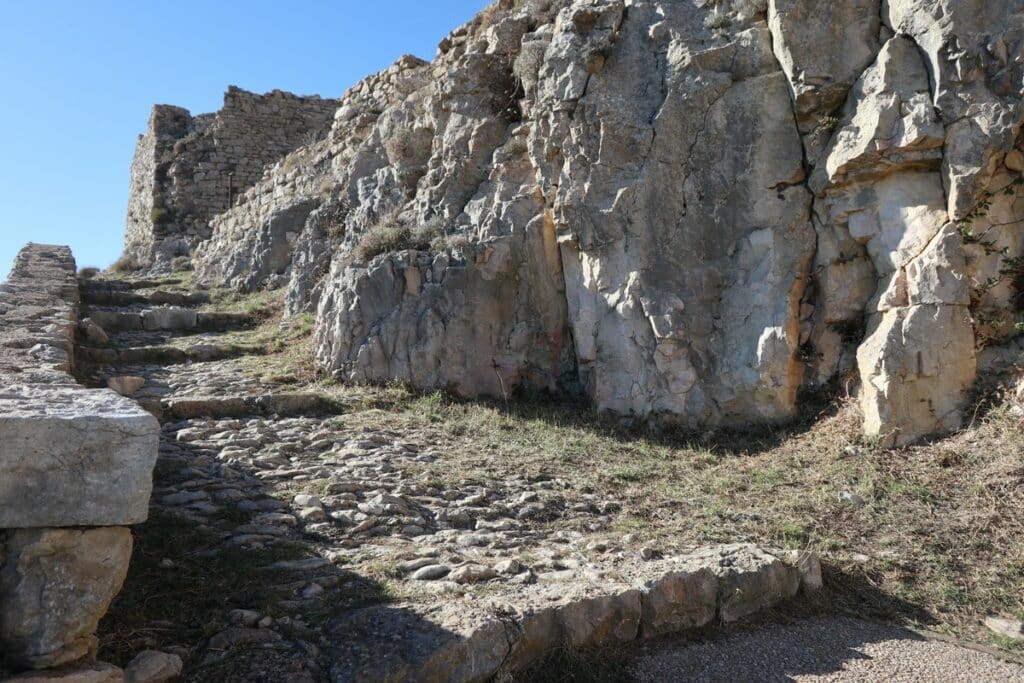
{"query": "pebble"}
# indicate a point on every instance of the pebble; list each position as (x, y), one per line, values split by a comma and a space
(850, 498)
(431, 572)
(472, 574)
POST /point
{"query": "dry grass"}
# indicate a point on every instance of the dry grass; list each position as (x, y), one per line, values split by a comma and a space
(390, 236)
(938, 542)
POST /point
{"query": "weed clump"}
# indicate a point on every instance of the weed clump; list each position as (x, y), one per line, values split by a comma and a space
(391, 235)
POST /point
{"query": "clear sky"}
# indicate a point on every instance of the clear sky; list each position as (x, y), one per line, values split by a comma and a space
(78, 79)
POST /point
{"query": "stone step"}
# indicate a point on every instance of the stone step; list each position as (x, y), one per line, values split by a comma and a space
(89, 285)
(171, 319)
(509, 633)
(161, 297)
(283, 405)
(166, 354)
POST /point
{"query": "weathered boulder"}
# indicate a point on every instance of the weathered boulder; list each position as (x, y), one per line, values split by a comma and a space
(823, 48)
(55, 585)
(678, 601)
(74, 457)
(475, 320)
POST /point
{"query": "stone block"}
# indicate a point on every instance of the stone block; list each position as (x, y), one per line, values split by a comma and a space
(151, 666)
(55, 585)
(749, 579)
(169, 319)
(678, 601)
(74, 457)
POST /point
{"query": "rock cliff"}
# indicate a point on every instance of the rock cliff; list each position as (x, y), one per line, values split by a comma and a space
(687, 210)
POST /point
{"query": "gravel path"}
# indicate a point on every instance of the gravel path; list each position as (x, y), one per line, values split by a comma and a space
(833, 649)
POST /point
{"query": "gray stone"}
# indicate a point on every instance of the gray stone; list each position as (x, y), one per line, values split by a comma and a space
(151, 666)
(1007, 628)
(93, 332)
(677, 601)
(55, 586)
(749, 579)
(74, 457)
(431, 572)
(126, 385)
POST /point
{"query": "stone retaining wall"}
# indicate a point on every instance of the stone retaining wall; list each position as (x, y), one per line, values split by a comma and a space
(75, 468)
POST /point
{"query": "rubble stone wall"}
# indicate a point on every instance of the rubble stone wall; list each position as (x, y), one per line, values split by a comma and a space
(187, 169)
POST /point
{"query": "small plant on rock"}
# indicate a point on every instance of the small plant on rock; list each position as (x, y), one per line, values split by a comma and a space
(124, 264)
(718, 22)
(160, 216)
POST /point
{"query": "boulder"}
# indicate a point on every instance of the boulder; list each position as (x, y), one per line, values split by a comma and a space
(151, 666)
(55, 585)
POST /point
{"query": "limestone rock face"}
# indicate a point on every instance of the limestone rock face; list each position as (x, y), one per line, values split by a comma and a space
(688, 211)
(685, 259)
(823, 48)
(74, 457)
(474, 320)
(55, 585)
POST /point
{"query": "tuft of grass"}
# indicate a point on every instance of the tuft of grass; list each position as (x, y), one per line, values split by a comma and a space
(717, 21)
(160, 216)
(123, 265)
(390, 236)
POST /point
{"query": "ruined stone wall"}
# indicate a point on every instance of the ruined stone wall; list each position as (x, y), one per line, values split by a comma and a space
(187, 169)
(75, 468)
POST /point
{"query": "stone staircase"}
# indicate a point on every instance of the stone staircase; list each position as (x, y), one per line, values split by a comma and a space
(181, 359)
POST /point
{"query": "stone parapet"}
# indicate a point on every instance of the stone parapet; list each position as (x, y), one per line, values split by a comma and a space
(69, 457)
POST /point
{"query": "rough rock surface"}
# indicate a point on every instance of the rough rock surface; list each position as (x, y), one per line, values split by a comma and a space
(55, 586)
(74, 457)
(38, 315)
(96, 672)
(69, 457)
(685, 210)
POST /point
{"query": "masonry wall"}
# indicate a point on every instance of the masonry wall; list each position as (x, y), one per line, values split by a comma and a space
(187, 169)
(76, 468)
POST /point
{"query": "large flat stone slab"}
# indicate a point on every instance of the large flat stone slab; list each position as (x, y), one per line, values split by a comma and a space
(74, 457)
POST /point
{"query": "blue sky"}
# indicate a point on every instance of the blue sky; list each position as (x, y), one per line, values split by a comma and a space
(78, 79)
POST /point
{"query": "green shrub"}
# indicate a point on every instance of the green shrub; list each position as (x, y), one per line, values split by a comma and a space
(88, 272)
(159, 215)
